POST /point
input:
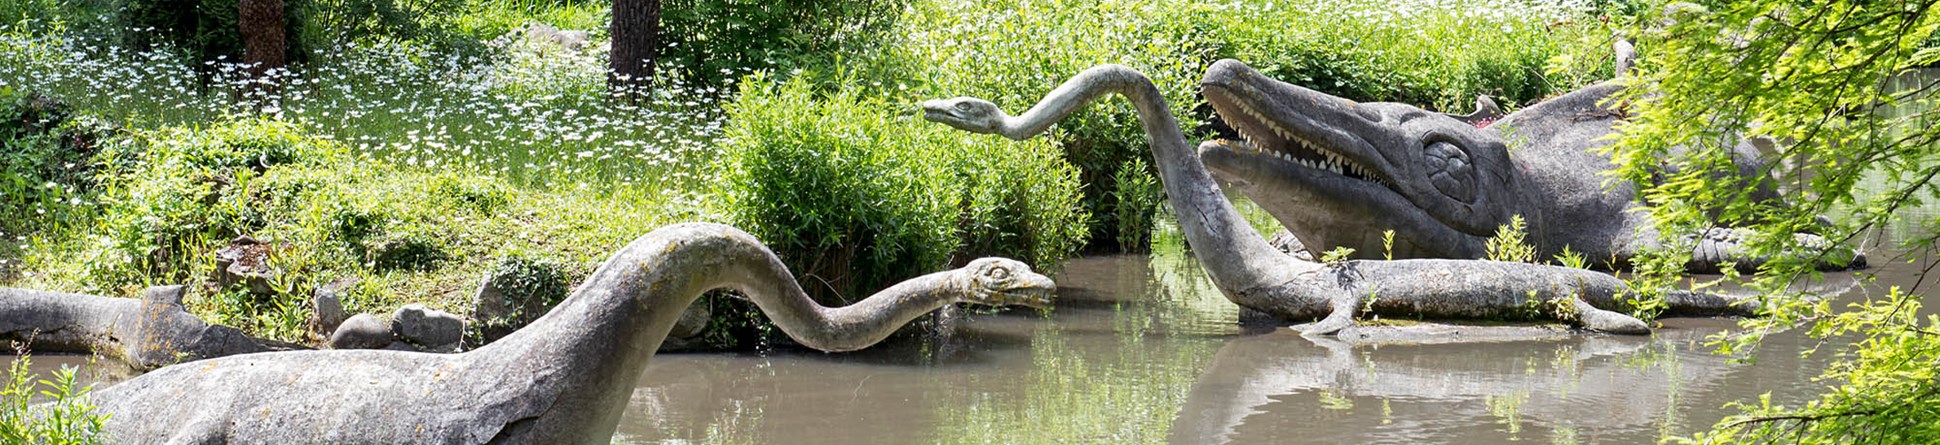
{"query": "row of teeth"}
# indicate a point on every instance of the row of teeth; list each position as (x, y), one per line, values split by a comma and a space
(1335, 163)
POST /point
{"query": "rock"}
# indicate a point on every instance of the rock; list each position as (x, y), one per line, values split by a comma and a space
(429, 328)
(363, 331)
(488, 303)
(327, 307)
(246, 261)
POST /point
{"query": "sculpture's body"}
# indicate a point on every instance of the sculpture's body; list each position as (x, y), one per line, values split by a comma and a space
(1254, 275)
(151, 332)
(565, 378)
(1340, 173)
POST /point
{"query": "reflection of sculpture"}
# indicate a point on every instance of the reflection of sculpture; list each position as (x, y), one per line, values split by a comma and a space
(1603, 385)
(1608, 385)
(151, 332)
(563, 379)
(1255, 275)
(1340, 173)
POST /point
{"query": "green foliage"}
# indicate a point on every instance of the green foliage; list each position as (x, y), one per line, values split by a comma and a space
(1336, 256)
(1136, 196)
(852, 197)
(64, 416)
(46, 163)
(715, 39)
(1387, 245)
(1828, 80)
(185, 188)
(528, 288)
(1510, 243)
(847, 198)
(1571, 259)
(200, 29)
(1885, 392)
(1435, 54)
(1013, 52)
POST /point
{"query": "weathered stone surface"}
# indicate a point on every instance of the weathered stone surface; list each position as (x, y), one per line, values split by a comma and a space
(362, 331)
(565, 379)
(1255, 275)
(1340, 173)
(430, 328)
(327, 307)
(144, 333)
(245, 260)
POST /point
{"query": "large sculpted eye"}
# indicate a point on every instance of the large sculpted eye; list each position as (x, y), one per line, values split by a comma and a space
(998, 273)
(963, 106)
(1450, 170)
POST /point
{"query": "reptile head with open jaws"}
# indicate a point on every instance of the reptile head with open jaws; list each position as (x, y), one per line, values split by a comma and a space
(1006, 282)
(1340, 173)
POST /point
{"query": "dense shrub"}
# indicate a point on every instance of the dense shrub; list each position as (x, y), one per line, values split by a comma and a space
(46, 160)
(1013, 52)
(855, 197)
(1136, 194)
(711, 40)
(47, 412)
(1433, 53)
(527, 287)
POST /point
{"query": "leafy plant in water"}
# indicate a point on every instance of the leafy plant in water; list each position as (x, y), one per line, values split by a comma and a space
(1136, 196)
(62, 417)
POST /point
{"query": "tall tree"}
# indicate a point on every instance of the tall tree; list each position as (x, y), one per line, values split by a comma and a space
(636, 39)
(263, 35)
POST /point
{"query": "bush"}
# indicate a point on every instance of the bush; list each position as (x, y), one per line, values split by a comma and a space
(46, 162)
(855, 198)
(715, 39)
(847, 198)
(527, 287)
(1013, 52)
(1137, 195)
(1433, 53)
(65, 418)
(186, 192)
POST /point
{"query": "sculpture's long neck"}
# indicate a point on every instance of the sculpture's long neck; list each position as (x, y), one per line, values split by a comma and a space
(1235, 255)
(595, 345)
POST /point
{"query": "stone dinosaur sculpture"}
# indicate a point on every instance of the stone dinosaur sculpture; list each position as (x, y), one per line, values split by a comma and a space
(1254, 275)
(145, 333)
(565, 378)
(1341, 173)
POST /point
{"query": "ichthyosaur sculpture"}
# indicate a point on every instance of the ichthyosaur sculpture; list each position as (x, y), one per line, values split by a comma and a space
(565, 378)
(1253, 274)
(1343, 173)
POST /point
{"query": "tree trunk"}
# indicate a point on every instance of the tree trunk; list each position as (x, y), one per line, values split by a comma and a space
(636, 39)
(262, 32)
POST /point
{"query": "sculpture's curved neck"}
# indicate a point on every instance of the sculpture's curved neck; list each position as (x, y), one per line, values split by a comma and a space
(1230, 250)
(596, 344)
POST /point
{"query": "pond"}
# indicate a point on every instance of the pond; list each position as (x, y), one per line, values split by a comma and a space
(1142, 349)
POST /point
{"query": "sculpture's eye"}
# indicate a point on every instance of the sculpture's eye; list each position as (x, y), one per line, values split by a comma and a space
(998, 273)
(1450, 169)
(963, 106)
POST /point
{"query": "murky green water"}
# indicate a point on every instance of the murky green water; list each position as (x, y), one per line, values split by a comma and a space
(1142, 349)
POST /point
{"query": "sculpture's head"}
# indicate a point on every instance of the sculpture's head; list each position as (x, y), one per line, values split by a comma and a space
(965, 113)
(1339, 173)
(1006, 282)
